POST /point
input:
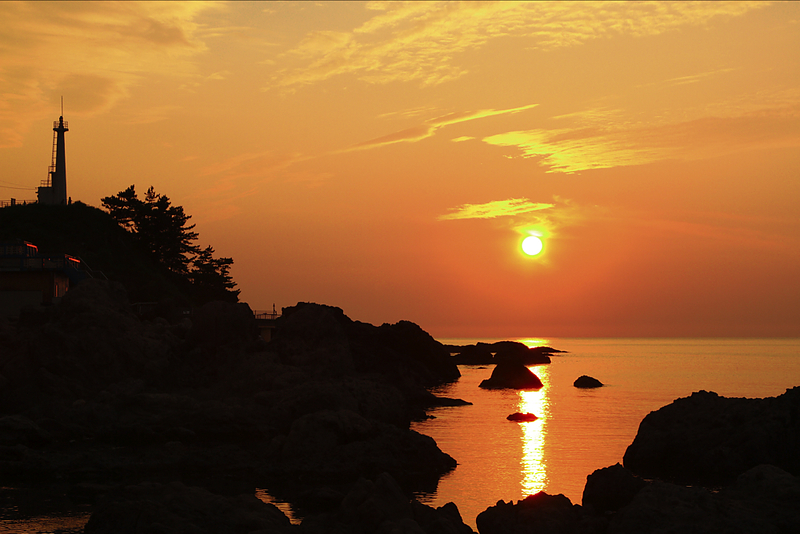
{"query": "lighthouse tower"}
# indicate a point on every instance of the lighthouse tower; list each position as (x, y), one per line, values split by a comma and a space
(54, 189)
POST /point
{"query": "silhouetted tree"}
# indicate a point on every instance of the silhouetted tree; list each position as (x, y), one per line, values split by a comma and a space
(162, 230)
(211, 276)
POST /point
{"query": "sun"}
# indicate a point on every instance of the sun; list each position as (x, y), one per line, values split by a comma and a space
(532, 245)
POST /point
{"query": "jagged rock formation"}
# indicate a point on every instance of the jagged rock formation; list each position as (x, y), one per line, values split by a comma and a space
(94, 395)
(709, 439)
(700, 440)
(501, 351)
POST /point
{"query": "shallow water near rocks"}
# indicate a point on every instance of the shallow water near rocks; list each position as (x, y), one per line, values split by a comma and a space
(581, 430)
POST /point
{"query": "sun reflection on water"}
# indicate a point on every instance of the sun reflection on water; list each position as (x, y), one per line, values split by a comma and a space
(534, 434)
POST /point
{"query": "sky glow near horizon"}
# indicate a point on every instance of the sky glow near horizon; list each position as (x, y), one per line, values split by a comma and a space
(388, 158)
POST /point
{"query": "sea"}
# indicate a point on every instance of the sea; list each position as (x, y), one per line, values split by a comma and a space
(577, 430)
(581, 430)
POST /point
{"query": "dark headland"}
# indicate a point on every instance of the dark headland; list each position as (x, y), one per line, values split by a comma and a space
(166, 423)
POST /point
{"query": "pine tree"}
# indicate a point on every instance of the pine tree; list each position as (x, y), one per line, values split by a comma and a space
(162, 230)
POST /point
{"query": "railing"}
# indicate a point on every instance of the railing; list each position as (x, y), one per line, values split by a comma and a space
(269, 315)
(14, 202)
(91, 272)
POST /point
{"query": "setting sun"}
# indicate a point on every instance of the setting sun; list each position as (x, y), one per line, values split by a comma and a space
(532, 245)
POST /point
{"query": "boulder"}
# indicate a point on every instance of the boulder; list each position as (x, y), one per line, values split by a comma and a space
(323, 339)
(480, 354)
(218, 323)
(536, 514)
(611, 488)
(379, 505)
(516, 352)
(522, 417)
(587, 382)
(176, 508)
(340, 446)
(763, 499)
(511, 376)
(707, 439)
(500, 351)
(19, 430)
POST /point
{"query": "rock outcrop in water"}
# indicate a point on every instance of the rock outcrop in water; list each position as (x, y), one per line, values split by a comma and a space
(587, 382)
(98, 398)
(500, 351)
(522, 417)
(709, 439)
(737, 492)
(511, 375)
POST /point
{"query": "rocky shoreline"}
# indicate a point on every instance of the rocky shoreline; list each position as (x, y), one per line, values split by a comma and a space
(170, 425)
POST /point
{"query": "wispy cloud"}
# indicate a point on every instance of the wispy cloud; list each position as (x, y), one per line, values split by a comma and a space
(92, 53)
(525, 217)
(495, 208)
(429, 128)
(597, 143)
(421, 41)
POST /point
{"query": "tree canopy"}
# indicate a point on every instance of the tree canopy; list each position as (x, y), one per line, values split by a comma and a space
(163, 231)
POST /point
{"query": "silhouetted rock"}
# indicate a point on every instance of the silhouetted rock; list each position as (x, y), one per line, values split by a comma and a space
(516, 352)
(760, 499)
(764, 499)
(176, 508)
(328, 446)
(480, 354)
(324, 339)
(500, 351)
(19, 430)
(109, 396)
(536, 514)
(511, 376)
(380, 505)
(587, 382)
(610, 488)
(218, 323)
(522, 417)
(708, 439)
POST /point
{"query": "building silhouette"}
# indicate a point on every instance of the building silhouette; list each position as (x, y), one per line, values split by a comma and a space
(54, 189)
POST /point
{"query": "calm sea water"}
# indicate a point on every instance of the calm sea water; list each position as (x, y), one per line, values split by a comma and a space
(579, 431)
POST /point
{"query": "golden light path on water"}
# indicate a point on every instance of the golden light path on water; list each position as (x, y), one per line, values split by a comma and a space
(534, 434)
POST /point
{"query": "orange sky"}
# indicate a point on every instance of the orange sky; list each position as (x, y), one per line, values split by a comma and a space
(388, 158)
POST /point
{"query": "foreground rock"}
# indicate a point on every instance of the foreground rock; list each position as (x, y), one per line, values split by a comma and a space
(511, 376)
(710, 440)
(94, 396)
(729, 494)
(176, 508)
(587, 382)
(536, 514)
(763, 499)
(380, 506)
